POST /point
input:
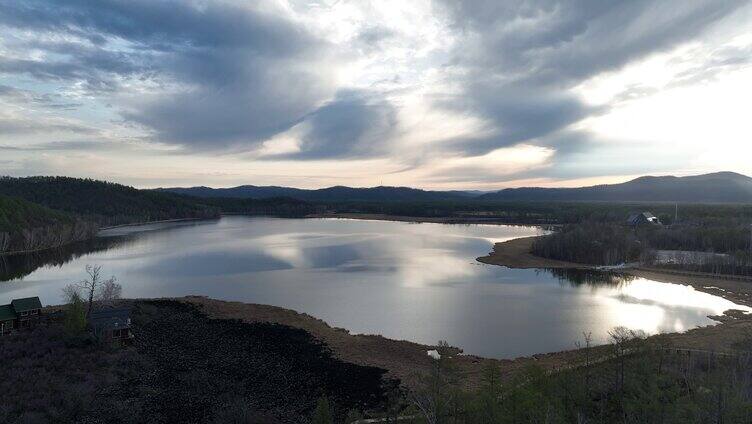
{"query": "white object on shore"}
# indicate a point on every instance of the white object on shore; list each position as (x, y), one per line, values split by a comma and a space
(434, 354)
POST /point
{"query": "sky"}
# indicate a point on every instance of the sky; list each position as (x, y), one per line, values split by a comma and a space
(436, 94)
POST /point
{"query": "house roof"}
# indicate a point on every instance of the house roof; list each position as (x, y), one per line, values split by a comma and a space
(637, 217)
(7, 312)
(26, 304)
(110, 318)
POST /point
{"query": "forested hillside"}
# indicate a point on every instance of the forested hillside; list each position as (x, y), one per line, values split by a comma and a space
(275, 206)
(103, 202)
(329, 194)
(16, 214)
(27, 226)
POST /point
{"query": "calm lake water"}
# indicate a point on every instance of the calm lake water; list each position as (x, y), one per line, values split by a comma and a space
(418, 282)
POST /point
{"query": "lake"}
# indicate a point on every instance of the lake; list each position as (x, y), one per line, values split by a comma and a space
(418, 282)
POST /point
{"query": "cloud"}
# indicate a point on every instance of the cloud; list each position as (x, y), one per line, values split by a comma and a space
(62, 146)
(420, 85)
(10, 125)
(515, 113)
(371, 39)
(51, 101)
(517, 62)
(207, 76)
(356, 124)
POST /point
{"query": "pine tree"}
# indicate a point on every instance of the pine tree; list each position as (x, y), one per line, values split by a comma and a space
(322, 415)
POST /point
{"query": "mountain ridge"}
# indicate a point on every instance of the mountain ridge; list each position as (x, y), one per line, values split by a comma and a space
(334, 193)
(716, 187)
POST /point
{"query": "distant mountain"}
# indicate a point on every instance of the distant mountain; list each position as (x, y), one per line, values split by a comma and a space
(719, 187)
(330, 194)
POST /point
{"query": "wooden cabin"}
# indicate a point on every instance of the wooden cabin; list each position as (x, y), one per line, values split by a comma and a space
(20, 313)
(111, 325)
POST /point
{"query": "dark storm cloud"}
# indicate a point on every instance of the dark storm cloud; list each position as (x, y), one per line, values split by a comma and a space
(517, 62)
(230, 74)
(353, 125)
(517, 112)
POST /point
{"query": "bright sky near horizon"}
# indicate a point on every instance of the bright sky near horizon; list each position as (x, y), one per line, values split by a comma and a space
(477, 94)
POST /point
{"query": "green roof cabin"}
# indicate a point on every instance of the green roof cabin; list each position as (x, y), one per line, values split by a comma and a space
(7, 318)
(20, 313)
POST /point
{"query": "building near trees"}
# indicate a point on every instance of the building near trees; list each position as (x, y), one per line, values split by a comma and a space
(111, 325)
(644, 218)
(20, 313)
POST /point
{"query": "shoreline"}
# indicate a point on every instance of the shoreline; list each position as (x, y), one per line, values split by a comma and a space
(432, 220)
(408, 361)
(162, 221)
(96, 233)
(402, 359)
(515, 253)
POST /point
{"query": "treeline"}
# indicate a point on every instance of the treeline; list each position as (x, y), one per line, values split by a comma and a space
(727, 236)
(275, 206)
(632, 380)
(552, 212)
(718, 248)
(594, 244)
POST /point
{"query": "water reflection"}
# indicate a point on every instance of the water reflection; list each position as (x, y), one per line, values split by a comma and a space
(590, 278)
(14, 267)
(417, 282)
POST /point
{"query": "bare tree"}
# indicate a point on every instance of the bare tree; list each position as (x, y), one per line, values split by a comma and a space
(109, 291)
(94, 287)
(71, 293)
(624, 342)
(435, 396)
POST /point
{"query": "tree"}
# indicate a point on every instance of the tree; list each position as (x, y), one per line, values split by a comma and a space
(109, 291)
(623, 343)
(437, 395)
(94, 288)
(322, 415)
(75, 316)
